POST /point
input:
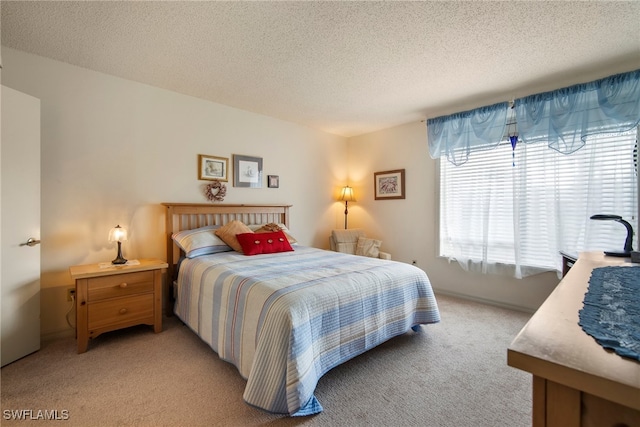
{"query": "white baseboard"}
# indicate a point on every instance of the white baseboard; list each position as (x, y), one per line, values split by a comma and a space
(484, 301)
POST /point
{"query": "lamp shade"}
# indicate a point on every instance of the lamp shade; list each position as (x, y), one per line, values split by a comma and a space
(117, 234)
(346, 195)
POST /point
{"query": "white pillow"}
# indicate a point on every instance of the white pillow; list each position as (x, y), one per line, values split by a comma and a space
(368, 247)
(200, 241)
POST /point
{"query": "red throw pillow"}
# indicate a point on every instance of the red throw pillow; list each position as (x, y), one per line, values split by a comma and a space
(263, 243)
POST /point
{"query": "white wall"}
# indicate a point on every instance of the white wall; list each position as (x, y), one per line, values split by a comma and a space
(113, 150)
(408, 228)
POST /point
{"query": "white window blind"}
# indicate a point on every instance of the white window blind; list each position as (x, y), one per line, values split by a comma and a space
(494, 214)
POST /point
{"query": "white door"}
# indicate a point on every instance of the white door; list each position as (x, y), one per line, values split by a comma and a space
(20, 219)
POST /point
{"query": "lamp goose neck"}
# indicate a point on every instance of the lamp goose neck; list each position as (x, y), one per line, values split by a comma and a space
(628, 243)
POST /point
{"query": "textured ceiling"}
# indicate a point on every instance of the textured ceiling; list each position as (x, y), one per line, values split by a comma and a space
(343, 67)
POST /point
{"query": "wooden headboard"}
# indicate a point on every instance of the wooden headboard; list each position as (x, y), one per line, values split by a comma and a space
(187, 216)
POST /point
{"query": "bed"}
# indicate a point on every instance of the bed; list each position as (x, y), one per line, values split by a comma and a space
(287, 317)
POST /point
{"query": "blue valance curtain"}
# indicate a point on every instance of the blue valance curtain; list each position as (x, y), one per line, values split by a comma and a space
(458, 134)
(563, 118)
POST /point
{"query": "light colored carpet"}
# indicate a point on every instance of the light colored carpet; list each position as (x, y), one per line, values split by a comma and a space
(451, 374)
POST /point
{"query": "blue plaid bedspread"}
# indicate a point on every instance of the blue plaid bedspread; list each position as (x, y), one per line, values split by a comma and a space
(286, 319)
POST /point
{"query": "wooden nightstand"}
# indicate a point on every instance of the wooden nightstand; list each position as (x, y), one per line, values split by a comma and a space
(115, 297)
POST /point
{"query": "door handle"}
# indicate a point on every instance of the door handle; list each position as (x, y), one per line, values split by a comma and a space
(30, 242)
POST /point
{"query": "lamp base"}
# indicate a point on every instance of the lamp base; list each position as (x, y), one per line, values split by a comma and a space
(618, 254)
(119, 258)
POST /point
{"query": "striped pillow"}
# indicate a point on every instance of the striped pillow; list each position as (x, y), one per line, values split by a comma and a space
(200, 241)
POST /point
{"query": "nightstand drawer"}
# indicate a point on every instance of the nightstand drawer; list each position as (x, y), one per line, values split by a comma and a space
(100, 288)
(120, 310)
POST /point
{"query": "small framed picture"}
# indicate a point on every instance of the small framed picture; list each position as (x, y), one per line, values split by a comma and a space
(273, 181)
(389, 184)
(213, 168)
(247, 171)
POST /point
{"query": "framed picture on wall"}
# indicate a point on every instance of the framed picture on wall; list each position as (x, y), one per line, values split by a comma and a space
(247, 171)
(273, 181)
(389, 184)
(213, 168)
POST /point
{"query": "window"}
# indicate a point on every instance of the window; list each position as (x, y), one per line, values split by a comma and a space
(499, 211)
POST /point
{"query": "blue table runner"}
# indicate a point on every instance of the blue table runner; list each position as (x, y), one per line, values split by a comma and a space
(611, 312)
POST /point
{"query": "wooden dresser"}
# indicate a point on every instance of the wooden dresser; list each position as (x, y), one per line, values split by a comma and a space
(576, 382)
(115, 297)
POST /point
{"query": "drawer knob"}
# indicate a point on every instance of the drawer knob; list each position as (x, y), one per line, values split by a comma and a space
(123, 310)
(123, 284)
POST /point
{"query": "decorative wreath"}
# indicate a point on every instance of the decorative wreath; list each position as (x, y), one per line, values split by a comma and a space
(215, 191)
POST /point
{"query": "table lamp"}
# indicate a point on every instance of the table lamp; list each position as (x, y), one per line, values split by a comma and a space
(118, 234)
(628, 244)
